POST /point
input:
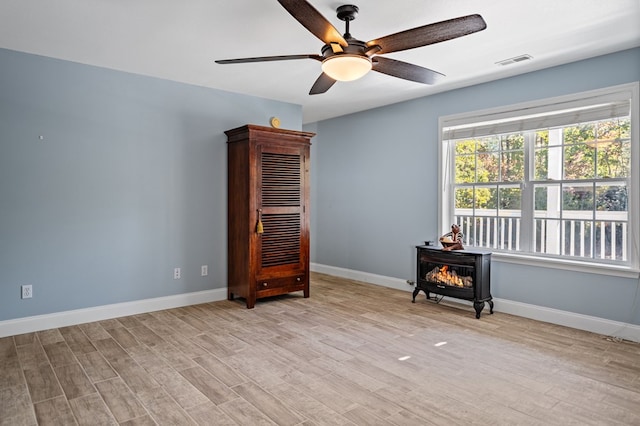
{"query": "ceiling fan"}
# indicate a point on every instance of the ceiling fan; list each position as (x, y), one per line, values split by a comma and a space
(345, 58)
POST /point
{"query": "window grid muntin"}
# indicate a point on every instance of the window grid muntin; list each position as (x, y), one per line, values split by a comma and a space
(594, 231)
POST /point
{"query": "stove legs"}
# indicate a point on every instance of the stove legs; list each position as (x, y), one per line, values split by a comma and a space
(415, 293)
(479, 306)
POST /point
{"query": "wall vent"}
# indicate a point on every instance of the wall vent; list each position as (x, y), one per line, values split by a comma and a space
(515, 60)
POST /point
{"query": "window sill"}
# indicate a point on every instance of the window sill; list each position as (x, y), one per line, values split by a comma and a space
(568, 265)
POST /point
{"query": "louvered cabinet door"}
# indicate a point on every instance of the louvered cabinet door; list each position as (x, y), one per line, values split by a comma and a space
(268, 212)
(282, 198)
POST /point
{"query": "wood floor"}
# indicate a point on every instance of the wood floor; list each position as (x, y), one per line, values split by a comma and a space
(352, 353)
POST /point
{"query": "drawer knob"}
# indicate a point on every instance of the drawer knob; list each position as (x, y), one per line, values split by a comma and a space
(298, 279)
(264, 284)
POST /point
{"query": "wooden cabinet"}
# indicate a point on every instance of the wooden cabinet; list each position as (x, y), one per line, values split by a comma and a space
(268, 212)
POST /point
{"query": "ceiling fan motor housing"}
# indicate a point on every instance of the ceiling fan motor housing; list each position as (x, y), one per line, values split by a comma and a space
(354, 47)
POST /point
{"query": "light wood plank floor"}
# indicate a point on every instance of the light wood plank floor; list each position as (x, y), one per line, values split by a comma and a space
(353, 353)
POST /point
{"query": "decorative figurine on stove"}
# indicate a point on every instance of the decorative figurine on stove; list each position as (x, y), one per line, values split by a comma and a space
(452, 240)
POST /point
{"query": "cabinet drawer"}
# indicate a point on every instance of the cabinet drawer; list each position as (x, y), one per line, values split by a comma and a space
(282, 283)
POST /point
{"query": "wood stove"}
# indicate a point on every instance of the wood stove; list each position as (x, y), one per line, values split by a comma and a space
(462, 274)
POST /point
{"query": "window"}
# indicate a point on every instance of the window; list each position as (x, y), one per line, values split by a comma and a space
(553, 179)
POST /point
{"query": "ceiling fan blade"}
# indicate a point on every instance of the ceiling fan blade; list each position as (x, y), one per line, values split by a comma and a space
(269, 58)
(405, 70)
(429, 34)
(313, 21)
(322, 84)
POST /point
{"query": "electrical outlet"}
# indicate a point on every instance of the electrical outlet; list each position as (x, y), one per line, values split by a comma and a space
(204, 270)
(176, 273)
(27, 291)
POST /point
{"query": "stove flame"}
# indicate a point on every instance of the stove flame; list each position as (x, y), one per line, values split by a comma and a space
(442, 275)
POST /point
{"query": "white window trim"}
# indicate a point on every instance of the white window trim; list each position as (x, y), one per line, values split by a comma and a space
(445, 198)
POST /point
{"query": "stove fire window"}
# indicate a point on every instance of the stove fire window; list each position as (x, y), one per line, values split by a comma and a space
(451, 275)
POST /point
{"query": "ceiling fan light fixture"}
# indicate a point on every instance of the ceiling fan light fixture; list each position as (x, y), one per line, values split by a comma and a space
(346, 67)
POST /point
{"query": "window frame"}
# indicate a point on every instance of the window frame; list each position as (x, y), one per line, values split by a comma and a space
(631, 269)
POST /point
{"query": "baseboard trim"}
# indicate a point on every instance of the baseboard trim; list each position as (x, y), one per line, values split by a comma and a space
(98, 313)
(366, 277)
(67, 318)
(596, 325)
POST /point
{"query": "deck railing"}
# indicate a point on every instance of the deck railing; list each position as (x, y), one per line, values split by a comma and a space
(577, 234)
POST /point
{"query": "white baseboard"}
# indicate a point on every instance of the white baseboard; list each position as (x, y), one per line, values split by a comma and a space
(98, 313)
(366, 277)
(554, 316)
(62, 319)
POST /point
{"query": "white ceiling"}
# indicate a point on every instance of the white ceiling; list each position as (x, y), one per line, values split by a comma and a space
(180, 39)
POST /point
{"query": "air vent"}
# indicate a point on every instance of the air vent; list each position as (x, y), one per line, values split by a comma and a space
(515, 60)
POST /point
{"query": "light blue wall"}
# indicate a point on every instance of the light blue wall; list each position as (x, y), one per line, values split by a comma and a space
(374, 188)
(128, 182)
